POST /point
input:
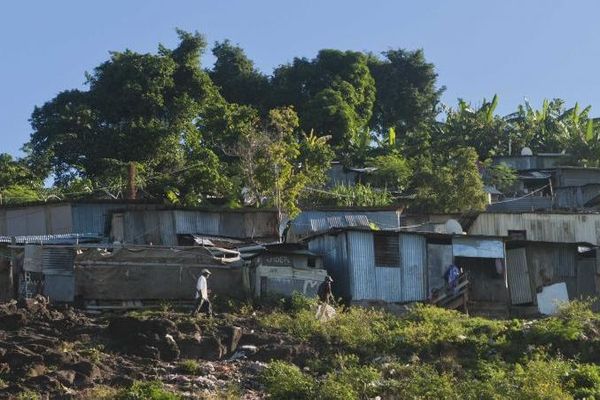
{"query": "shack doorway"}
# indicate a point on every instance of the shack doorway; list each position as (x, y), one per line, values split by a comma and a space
(487, 277)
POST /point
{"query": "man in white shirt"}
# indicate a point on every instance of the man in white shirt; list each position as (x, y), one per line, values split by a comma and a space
(202, 302)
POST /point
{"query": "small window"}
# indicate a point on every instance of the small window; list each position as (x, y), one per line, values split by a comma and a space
(387, 250)
(517, 235)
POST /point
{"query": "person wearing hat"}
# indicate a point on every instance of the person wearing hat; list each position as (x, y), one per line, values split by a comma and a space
(324, 291)
(202, 302)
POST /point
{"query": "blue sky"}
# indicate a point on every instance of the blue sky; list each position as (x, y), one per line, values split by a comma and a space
(519, 49)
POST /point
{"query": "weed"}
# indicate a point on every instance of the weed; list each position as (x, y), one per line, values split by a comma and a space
(28, 395)
(153, 390)
(189, 367)
(285, 381)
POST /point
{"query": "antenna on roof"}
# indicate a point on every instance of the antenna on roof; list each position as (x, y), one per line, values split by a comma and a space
(453, 227)
(526, 151)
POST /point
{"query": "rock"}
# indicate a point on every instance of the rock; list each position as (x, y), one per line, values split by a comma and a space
(188, 327)
(36, 370)
(207, 348)
(12, 322)
(4, 368)
(86, 368)
(20, 357)
(66, 377)
(168, 349)
(142, 337)
(231, 336)
(55, 357)
(44, 383)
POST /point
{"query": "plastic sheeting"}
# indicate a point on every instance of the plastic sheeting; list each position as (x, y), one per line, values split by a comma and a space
(551, 297)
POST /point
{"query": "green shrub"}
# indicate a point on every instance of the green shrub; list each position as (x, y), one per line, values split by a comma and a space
(574, 321)
(189, 367)
(583, 381)
(285, 381)
(153, 390)
(28, 395)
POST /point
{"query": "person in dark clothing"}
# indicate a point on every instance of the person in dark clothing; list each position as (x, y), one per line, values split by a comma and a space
(324, 292)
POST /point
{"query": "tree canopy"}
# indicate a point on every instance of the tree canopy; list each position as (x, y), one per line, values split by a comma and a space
(232, 134)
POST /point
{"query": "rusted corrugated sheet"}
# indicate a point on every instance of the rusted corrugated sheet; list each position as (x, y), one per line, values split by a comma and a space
(547, 227)
(414, 268)
(519, 282)
(313, 221)
(361, 265)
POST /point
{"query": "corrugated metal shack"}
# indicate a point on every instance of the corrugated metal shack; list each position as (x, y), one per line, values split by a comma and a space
(155, 273)
(540, 227)
(41, 264)
(53, 218)
(398, 267)
(166, 227)
(282, 269)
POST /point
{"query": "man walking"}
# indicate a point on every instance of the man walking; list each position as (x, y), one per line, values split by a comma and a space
(202, 302)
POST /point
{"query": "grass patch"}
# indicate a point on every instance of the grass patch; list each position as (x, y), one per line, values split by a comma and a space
(189, 367)
(153, 390)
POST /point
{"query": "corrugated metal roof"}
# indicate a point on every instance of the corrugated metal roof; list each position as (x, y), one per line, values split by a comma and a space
(68, 238)
(522, 204)
(313, 221)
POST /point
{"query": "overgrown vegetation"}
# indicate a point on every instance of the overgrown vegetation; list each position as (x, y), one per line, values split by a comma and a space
(437, 353)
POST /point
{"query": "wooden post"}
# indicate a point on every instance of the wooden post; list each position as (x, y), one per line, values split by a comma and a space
(13, 287)
(131, 181)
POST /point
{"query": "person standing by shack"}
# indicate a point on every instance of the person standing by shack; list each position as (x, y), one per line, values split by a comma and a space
(324, 292)
(202, 302)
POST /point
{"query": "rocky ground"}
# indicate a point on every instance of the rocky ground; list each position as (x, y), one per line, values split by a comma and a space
(66, 354)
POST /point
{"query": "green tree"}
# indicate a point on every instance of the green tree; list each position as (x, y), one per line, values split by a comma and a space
(407, 93)
(479, 128)
(276, 166)
(392, 172)
(448, 182)
(236, 76)
(17, 182)
(333, 94)
(138, 108)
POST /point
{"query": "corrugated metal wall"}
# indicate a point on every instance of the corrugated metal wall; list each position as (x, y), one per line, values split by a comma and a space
(365, 280)
(559, 228)
(518, 276)
(57, 267)
(162, 227)
(414, 267)
(577, 176)
(361, 266)
(334, 251)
